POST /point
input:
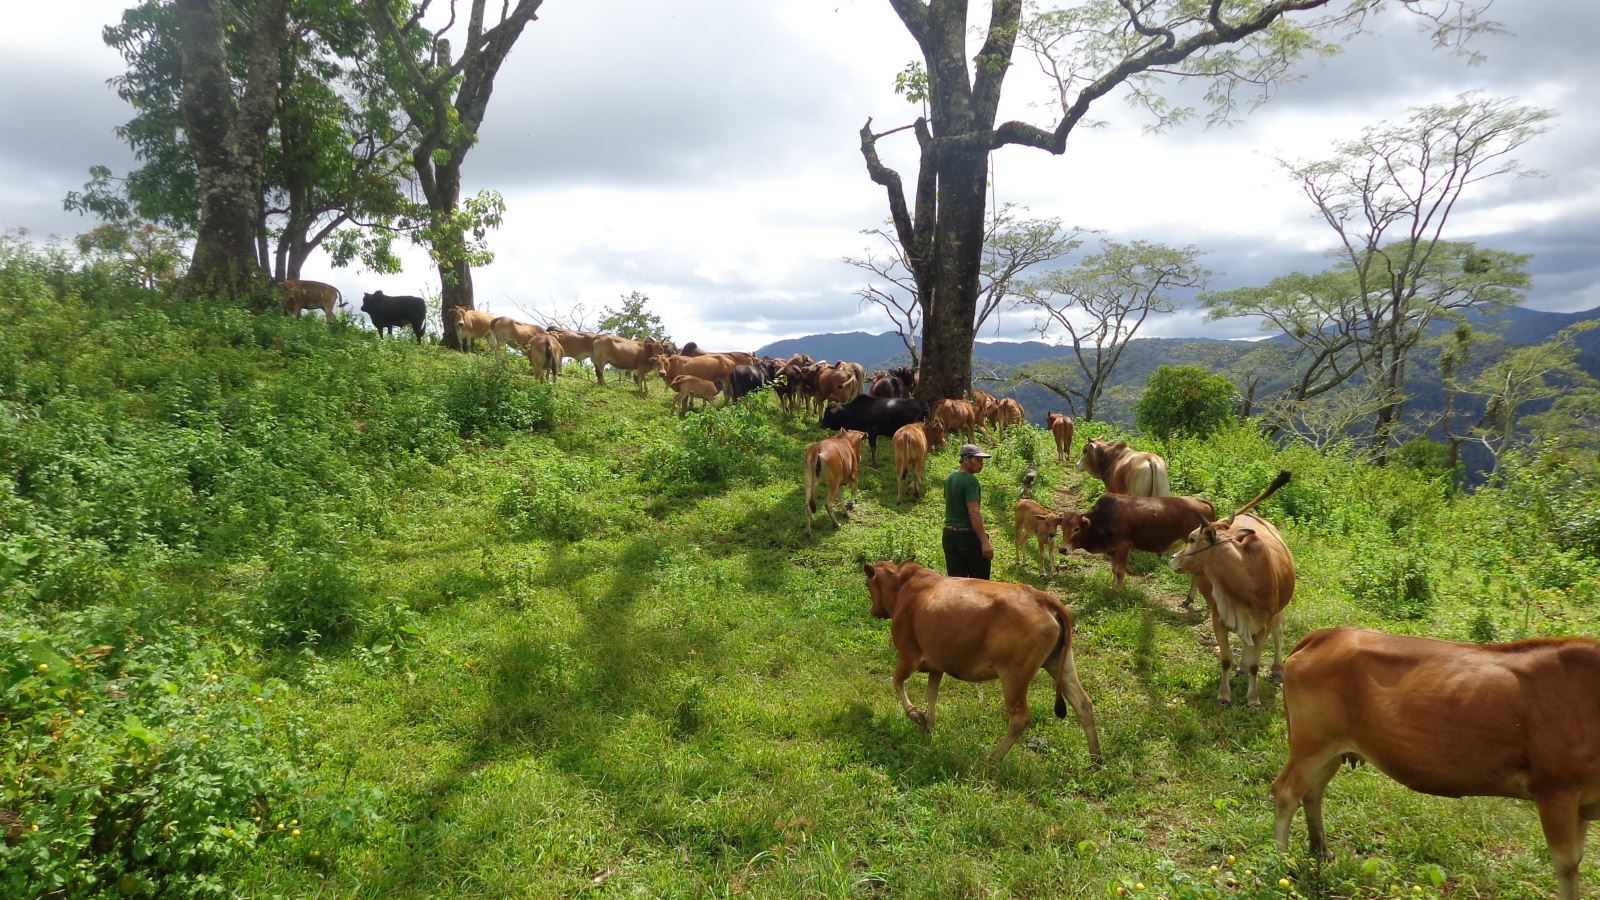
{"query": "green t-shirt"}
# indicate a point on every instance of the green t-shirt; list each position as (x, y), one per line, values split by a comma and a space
(960, 489)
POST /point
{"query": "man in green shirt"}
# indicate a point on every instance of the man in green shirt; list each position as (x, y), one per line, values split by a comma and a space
(967, 551)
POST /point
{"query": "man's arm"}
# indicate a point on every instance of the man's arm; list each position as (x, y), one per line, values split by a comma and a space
(976, 515)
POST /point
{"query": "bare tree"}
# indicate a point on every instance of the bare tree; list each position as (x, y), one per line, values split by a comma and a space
(1101, 304)
(1012, 245)
(1089, 50)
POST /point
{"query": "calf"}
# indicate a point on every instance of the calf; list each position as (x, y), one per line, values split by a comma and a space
(471, 324)
(910, 455)
(1009, 412)
(1033, 520)
(1060, 426)
(689, 388)
(874, 416)
(302, 295)
(1126, 471)
(387, 312)
(956, 415)
(544, 355)
(508, 332)
(1246, 573)
(1118, 524)
(834, 461)
(978, 630)
(1454, 720)
(987, 406)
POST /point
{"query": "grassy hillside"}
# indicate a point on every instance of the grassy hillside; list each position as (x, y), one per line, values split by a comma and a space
(324, 614)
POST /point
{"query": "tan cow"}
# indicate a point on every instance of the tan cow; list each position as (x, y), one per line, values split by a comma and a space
(471, 324)
(715, 368)
(978, 630)
(833, 461)
(954, 416)
(1245, 571)
(1124, 470)
(626, 355)
(689, 388)
(1034, 520)
(1008, 412)
(1061, 425)
(577, 345)
(544, 355)
(987, 406)
(911, 444)
(1453, 720)
(508, 332)
(837, 385)
(299, 296)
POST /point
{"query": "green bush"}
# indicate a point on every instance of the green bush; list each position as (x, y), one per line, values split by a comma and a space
(722, 444)
(490, 397)
(558, 497)
(1393, 584)
(134, 766)
(307, 596)
(1185, 400)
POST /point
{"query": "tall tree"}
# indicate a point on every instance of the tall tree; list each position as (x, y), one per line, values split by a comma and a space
(1089, 49)
(1388, 196)
(1012, 244)
(446, 100)
(227, 132)
(1527, 375)
(1101, 303)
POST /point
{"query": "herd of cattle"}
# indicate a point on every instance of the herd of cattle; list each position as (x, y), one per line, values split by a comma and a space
(1512, 720)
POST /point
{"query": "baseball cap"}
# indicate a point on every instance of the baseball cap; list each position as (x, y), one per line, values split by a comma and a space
(973, 450)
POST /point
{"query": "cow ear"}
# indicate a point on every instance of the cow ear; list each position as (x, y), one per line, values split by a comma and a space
(1241, 534)
(866, 567)
(1119, 445)
(910, 558)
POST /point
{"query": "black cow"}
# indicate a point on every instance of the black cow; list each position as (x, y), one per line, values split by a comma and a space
(388, 312)
(743, 380)
(875, 416)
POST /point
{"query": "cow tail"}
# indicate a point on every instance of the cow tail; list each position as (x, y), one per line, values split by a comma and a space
(1061, 648)
(813, 473)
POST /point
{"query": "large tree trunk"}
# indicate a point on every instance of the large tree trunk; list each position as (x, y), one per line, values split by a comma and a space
(228, 137)
(958, 253)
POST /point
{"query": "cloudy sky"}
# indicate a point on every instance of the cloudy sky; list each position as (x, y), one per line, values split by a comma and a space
(705, 152)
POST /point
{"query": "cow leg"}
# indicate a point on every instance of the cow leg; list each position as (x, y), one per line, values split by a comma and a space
(1188, 603)
(1225, 654)
(1017, 718)
(934, 678)
(1065, 672)
(1305, 778)
(1564, 829)
(1047, 550)
(872, 442)
(1119, 563)
(902, 671)
(1252, 663)
(1277, 650)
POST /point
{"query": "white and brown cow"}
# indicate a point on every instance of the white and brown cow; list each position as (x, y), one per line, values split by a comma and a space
(1125, 470)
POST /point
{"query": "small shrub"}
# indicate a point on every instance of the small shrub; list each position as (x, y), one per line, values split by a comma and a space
(1397, 585)
(489, 396)
(723, 444)
(308, 596)
(556, 498)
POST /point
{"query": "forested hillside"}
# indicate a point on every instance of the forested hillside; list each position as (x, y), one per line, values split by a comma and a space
(292, 610)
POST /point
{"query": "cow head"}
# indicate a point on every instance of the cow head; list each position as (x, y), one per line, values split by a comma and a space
(367, 299)
(1072, 524)
(832, 416)
(883, 584)
(1098, 455)
(935, 434)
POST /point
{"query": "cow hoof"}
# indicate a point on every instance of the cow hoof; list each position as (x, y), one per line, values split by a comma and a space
(1253, 704)
(1224, 703)
(1276, 677)
(919, 717)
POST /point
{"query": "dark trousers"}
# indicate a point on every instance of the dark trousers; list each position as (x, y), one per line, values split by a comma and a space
(963, 554)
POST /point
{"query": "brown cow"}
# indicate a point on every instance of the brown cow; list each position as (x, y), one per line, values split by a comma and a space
(627, 355)
(471, 324)
(1246, 573)
(299, 296)
(978, 630)
(1118, 524)
(1008, 412)
(544, 355)
(835, 460)
(986, 405)
(1453, 720)
(576, 345)
(689, 388)
(508, 332)
(1126, 471)
(910, 455)
(714, 368)
(837, 385)
(1034, 520)
(739, 357)
(1060, 425)
(954, 416)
